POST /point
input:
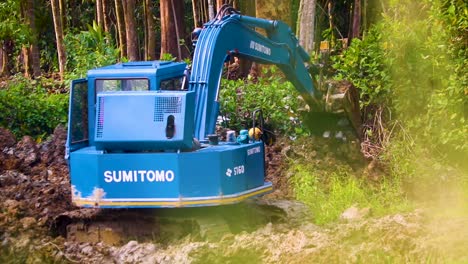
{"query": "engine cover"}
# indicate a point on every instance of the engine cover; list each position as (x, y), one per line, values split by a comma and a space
(144, 121)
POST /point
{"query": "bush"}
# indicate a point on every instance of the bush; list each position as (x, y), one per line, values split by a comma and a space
(414, 63)
(278, 99)
(364, 64)
(27, 108)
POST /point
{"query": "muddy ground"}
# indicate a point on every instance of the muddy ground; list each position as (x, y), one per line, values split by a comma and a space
(34, 189)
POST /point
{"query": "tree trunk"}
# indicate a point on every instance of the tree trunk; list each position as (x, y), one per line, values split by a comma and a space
(364, 16)
(274, 9)
(105, 16)
(356, 31)
(2, 63)
(35, 60)
(120, 28)
(26, 63)
(330, 22)
(59, 36)
(196, 17)
(33, 49)
(151, 33)
(99, 14)
(172, 21)
(211, 11)
(204, 11)
(132, 40)
(63, 13)
(7, 52)
(248, 8)
(307, 24)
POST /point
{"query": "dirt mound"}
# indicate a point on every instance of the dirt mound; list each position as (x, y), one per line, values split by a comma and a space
(275, 170)
(34, 180)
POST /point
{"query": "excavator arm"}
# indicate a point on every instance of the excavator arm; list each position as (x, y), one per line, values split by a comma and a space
(233, 34)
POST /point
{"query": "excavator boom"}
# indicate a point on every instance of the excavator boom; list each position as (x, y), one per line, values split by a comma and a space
(235, 35)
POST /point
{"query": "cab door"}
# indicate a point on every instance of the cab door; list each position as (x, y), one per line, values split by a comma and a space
(78, 121)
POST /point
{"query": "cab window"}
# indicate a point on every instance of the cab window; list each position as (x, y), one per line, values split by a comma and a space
(173, 84)
(114, 85)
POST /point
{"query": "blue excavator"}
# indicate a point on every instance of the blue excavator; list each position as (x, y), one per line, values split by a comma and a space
(143, 134)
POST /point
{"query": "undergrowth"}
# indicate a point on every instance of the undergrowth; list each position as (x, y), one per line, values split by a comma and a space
(28, 108)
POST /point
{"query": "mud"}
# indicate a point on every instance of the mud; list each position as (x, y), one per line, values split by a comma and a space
(395, 238)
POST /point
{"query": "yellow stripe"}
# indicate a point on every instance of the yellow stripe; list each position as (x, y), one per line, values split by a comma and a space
(229, 200)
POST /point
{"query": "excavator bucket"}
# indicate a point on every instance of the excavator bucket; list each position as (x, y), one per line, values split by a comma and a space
(338, 112)
(343, 98)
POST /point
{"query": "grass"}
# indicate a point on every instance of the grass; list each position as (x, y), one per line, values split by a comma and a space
(334, 180)
(330, 193)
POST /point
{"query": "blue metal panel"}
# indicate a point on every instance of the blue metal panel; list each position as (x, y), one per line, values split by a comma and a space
(210, 176)
(137, 120)
(200, 168)
(138, 69)
(83, 173)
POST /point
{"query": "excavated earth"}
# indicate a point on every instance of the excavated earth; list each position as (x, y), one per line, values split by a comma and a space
(34, 190)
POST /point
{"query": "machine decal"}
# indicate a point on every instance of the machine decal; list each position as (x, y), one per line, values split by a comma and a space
(139, 176)
(260, 48)
(237, 170)
(253, 151)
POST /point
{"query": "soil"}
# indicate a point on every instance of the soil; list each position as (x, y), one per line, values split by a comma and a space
(35, 189)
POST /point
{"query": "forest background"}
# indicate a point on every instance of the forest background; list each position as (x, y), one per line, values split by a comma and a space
(408, 60)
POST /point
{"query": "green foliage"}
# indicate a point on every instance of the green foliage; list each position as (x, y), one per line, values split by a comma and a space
(89, 49)
(12, 26)
(414, 62)
(27, 108)
(363, 64)
(430, 62)
(168, 57)
(278, 100)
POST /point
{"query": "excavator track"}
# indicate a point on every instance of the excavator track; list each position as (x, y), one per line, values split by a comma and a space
(118, 226)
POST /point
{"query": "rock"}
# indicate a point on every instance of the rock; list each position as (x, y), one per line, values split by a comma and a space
(7, 139)
(28, 222)
(11, 204)
(12, 178)
(27, 151)
(53, 150)
(313, 154)
(87, 250)
(294, 212)
(354, 213)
